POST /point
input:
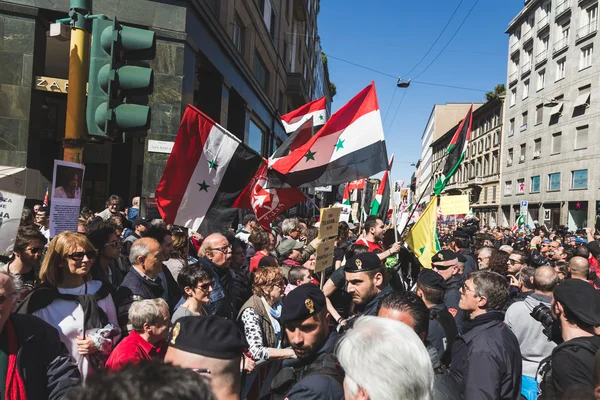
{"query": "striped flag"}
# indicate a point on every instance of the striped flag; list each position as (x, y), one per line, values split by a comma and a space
(346, 197)
(46, 197)
(382, 197)
(350, 146)
(296, 139)
(518, 223)
(207, 170)
(315, 110)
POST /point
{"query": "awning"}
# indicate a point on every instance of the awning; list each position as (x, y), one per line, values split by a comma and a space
(556, 109)
(25, 181)
(583, 98)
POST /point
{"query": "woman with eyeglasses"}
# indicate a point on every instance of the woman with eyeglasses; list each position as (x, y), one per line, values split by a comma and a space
(108, 245)
(81, 309)
(196, 284)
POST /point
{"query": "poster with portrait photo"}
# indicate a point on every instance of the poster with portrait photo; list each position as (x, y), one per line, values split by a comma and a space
(65, 202)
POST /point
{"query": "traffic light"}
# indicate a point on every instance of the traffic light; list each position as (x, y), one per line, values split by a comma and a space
(119, 76)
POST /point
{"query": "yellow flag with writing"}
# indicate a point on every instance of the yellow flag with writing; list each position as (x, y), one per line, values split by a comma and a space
(422, 238)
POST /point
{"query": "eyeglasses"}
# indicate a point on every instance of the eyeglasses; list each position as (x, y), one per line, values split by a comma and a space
(280, 284)
(513, 262)
(201, 371)
(465, 288)
(35, 250)
(114, 243)
(78, 255)
(224, 249)
(205, 286)
(442, 267)
(4, 297)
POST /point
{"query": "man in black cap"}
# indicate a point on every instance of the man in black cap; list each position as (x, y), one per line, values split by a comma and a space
(140, 225)
(442, 327)
(211, 346)
(366, 282)
(460, 245)
(445, 263)
(315, 374)
(576, 305)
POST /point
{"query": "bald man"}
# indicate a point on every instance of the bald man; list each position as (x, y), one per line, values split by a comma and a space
(533, 342)
(215, 256)
(579, 268)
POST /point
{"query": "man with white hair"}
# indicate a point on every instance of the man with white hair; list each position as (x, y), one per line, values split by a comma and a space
(483, 257)
(374, 343)
(150, 322)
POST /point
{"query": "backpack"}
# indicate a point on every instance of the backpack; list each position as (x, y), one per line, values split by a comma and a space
(325, 365)
(546, 388)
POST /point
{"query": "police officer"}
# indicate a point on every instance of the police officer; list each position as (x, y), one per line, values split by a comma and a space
(442, 326)
(315, 374)
(366, 282)
(445, 263)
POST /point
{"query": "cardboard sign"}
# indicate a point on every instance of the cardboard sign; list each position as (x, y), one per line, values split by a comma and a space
(11, 207)
(328, 227)
(324, 255)
(453, 205)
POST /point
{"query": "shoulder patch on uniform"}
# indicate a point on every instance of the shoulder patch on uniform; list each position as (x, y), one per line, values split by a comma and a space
(453, 311)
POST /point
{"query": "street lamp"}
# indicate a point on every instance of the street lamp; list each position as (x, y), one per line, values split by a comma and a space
(403, 84)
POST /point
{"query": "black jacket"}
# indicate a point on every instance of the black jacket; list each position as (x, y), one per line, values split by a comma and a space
(442, 332)
(135, 287)
(486, 359)
(372, 308)
(452, 297)
(444, 387)
(471, 263)
(43, 360)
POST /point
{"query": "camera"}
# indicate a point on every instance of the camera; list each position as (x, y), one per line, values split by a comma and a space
(551, 326)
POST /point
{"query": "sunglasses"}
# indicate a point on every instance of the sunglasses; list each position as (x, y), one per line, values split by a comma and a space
(114, 243)
(4, 297)
(442, 267)
(205, 286)
(35, 250)
(78, 255)
(513, 262)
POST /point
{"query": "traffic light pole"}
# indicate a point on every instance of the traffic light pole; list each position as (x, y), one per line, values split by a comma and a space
(76, 95)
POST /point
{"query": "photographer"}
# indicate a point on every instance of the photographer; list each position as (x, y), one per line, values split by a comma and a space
(570, 369)
(526, 320)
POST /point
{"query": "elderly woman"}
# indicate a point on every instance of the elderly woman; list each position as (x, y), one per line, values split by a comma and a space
(260, 316)
(81, 309)
(196, 284)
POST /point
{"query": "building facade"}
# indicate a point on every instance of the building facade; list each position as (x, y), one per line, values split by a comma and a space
(442, 118)
(243, 63)
(552, 110)
(479, 174)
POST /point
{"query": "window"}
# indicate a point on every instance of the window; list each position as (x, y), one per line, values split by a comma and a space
(520, 186)
(556, 139)
(541, 79)
(507, 188)
(579, 179)
(509, 159)
(591, 16)
(494, 163)
(494, 194)
(513, 96)
(537, 148)
(522, 152)
(238, 34)
(497, 138)
(554, 181)
(539, 114)
(583, 97)
(535, 184)
(560, 68)
(485, 195)
(255, 136)
(511, 127)
(524, 121)
(581, 138)
(585, 60)
(268, 14)
(525, 89)
(261, 73)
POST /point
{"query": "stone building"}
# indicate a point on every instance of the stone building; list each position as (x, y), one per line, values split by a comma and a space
(243, 63)
(479, 174)
(552, 109)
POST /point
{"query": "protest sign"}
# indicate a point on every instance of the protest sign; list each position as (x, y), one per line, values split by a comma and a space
(66, 196)
(11, 207)
(453, 205)
(324, 256)
(328, 223)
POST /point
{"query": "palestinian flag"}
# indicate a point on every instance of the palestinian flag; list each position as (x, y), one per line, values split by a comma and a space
(379, 205)
(456, 151)
(297, 139)
(346, 197)
(518, 223)
(207, 170)
(350, 146)
(315, 110)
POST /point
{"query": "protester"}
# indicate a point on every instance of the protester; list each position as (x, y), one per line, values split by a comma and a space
(260, 241)
(149, 321)
(297, 276)
(341, 244)
(366, 282)
(486, 360)
(81, 309)
(290, 252)
(196, 284)
(114, 205)
(148, 380)
(445, 263)
(212, 347)
(242, 279)
(134, 211)
(484, 255)
(579, 268)
(108, 245)
(179, 255)
(171, 293)
(139, 228)
(24, 264)
(250, 223)
(306, 321)
(499, 263)
(534, 345)
(42, 222)
(215, 256)
(36, 363)
(460, 245)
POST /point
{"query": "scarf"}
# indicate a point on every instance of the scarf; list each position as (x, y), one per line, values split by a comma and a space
(15, 386)
(275, 313)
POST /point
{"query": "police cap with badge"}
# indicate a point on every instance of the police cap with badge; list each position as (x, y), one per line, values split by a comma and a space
(444, 259)
(363, 262)
(302, 303)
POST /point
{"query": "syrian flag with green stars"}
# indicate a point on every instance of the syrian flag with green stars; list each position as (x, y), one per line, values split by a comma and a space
(379, 205)
(350, 146)
(456, 150)
(207, 170)
(315, 110)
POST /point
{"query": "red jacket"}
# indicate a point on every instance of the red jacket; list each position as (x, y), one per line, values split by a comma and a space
(132, 350)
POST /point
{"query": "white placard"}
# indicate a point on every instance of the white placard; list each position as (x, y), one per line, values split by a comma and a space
(11, 207)
(66, 196)
(160, 146)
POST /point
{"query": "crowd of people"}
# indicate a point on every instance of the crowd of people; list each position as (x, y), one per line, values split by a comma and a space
(131, 308)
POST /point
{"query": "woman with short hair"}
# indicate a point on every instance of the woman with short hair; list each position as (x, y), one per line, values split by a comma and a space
(196, 284)
(262, 244)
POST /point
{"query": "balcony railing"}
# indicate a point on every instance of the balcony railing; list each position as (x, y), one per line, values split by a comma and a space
(587, 30)
(514, 47)
(543, 23)
(561, 45)
(513, 77)
(526, 68)
(541, 57)
(562, 8)
(527, 36)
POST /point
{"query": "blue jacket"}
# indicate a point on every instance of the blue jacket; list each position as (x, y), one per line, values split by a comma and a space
(134, 287)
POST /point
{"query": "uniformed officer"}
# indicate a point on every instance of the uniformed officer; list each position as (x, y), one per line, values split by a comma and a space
(442, 327)
(366, 282)
(445, 263)
(315, 373)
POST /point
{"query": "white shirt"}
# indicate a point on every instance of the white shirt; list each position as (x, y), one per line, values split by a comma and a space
(67, 317)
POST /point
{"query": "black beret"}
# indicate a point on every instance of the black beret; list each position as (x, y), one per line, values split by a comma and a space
(443, 255)
(302, 302)
(362, 263)
(581, 299)
(210, 336)
(432, 279)
(459, 233)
